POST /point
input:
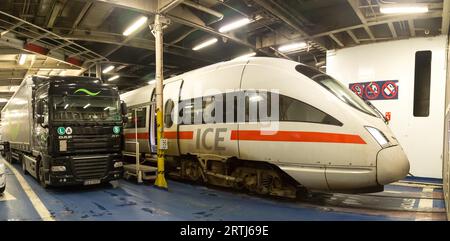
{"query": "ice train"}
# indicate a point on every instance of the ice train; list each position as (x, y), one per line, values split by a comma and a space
(326, 137)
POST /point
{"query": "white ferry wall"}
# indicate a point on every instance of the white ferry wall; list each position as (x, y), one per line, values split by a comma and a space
(420, 137)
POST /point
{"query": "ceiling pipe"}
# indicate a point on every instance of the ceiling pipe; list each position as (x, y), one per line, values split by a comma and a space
(183, 36)
(204, 9)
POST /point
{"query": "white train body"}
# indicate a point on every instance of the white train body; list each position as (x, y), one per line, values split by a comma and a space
(322, 141)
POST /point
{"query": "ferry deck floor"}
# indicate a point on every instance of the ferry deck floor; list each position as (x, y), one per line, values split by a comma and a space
(410, 199)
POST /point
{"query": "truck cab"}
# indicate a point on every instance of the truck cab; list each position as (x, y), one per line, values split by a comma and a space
(75, 134)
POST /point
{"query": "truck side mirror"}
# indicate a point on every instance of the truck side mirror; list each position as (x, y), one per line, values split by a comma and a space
(123, 108)
(40, 108)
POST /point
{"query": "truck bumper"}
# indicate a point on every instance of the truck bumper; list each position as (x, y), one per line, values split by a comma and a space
(84, 170)
(64, 180)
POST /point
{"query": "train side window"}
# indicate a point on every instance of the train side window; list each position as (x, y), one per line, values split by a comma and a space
(258, 106)
(422, 75)
(141, 114)
(186, 111)
(168, 110)
(208, 110)
(130, 117)
(297, 111)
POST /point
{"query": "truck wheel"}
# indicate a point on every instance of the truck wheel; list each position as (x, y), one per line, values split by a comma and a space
(24, 167)
(8, 157)
(41, 175)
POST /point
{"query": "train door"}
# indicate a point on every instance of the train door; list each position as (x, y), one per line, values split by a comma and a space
(171, 98)
(136, 129)
(152, 123)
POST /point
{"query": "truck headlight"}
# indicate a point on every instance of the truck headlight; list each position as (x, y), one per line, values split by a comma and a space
(378, 136)
(118, 164)
(58, 168)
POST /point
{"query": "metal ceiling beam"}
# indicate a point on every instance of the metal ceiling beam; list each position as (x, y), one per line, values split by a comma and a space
(332, 36)
(286, 20)
(392, 29)
(166, 6)
(355, 6)
(353, 36)
(56, 12)
(13, 66)
(270, 38)
(148, 44)
(445, 17)
(150, 8)
(81, 15)
(3, 32)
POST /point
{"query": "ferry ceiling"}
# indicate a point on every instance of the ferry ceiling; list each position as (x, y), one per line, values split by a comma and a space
(82, 37)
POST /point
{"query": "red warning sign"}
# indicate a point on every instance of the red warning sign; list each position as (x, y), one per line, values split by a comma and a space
(389, 90)
(358, 89)
(372, 91)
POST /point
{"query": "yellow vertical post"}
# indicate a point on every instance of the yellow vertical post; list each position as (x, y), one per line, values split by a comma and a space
(160, 178)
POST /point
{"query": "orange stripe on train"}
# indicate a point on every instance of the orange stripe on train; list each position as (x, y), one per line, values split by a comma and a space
(256, 135)
(185, 135)
(296, 136)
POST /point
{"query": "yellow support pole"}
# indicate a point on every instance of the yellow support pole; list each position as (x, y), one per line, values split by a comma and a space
(160, 178)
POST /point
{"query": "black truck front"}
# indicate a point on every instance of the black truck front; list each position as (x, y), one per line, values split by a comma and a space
(85, 154)
(83, 135)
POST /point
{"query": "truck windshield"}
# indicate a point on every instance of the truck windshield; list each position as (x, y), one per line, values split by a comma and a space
(337, 89)
(85, 108)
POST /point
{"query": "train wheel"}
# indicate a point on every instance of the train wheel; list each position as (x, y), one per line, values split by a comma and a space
(248, 179)
(192, 170)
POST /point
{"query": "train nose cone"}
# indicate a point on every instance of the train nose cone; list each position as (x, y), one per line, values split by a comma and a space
(392, 165)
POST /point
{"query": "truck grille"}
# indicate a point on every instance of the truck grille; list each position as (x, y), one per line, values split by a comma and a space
(91, 143)
(90, 168)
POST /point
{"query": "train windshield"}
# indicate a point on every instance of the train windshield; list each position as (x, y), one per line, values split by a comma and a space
(336, 88)
(86, 108)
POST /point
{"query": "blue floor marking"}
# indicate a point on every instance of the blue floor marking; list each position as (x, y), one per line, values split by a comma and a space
(182, 201)
(19, 209)
(424, 179)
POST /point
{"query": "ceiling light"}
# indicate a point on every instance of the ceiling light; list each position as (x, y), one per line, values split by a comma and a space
(205, 44)
(65, 107)
(292, 47)
(107, 69)
(151, 82)
(86, 106)
(234, 25)
(113, 78)
(22, 59)
(245, 56)
(135, 26)
(403, 8)
(3, 100)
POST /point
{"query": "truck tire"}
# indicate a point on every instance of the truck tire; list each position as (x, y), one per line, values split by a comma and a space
(8, 157)
(41, 175)
(22, 161)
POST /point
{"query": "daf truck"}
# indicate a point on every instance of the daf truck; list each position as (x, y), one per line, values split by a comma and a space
(65, 130)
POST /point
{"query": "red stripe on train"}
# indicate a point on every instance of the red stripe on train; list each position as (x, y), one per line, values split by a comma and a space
(296, 136)
(143, 135)
(184, 135)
